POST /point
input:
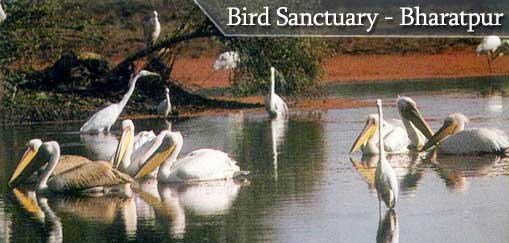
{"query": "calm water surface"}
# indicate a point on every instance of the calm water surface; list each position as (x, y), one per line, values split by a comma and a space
(303, 185)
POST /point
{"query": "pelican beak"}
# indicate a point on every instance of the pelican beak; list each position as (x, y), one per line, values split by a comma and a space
(445, 131)
(156, 159)
(368, 132)
(126, 138)
(415, 116)
(27, 158)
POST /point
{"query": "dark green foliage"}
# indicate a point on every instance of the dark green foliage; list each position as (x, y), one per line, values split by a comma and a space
(296, 59)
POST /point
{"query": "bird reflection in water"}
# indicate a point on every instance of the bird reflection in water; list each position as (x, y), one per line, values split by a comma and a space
(278, 129)
(407, 167)
(454, 170)
(99, 146)
(388, 228)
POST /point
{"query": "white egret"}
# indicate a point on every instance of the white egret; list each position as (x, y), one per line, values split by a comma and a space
(402, 136)
(152, 29)
(3, 16)
(131, 155)
(274, 105)
(452, 138)
(199, 165)
(227, 60)
(386, 183)
(94, 178)
(164, 108)
(106, 117)
(489, 45)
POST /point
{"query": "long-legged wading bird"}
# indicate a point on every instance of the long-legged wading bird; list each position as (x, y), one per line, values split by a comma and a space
(106, 117)
(386, 183)
(274, 105)
(164, 108)
(130, 158)
(152, 29)
(452, 138)
(3, 16)
(199, 165)
(489, 45)
(402, 136)
(94, 177)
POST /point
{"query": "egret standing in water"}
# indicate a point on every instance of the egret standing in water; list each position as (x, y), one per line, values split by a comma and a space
(164, 108)
(489, 45)
(105, 118)
(152, 29)
(274, 105)
(3, 16)
(452, 138)
(386, 183)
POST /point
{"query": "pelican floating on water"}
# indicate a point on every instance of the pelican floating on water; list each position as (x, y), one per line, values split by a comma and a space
(386, 183)
(199, 165)
(152, 30)
(106, 117)
(489, 45)
(93, 177)
(452, 138)
(274, 105)
(402, 136)
(164, 108)
(130, 155)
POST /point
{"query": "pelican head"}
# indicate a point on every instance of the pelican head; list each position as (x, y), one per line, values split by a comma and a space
(166, 152)
(32, 150)
(124, 143)
(408, 110)
(453, 124)
(367, 133)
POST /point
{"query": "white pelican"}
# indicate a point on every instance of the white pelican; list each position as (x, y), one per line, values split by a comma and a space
(386, 183)
(152, 29)
(95, 178)
(416, 127)
(395, 138)
(3, 16)
(106, 117)
(452, 138)
(130, 156)
(398, 138)
(489, 45)
(199, 165)
(164, 108)
(227, 60)
(274, 105)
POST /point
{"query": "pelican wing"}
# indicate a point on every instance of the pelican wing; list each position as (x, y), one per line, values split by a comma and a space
(396, 141)
(203, 164)
(475, 141)
(87, 176)
(68, 162)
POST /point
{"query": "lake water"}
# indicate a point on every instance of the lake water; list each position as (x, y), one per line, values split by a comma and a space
(303, 186)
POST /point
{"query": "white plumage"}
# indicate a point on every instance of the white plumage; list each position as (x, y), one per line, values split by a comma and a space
(489, 45)
(164, 108)
(227, 60)
(274, 105)
(386, 182)
(106, 117)
(152, 29)
(3, 16)
(199, 165)
(453, 139)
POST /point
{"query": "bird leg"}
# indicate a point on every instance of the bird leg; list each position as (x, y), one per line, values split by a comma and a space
(489, 60)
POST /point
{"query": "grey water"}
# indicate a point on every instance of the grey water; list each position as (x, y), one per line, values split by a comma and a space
(304, 186)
